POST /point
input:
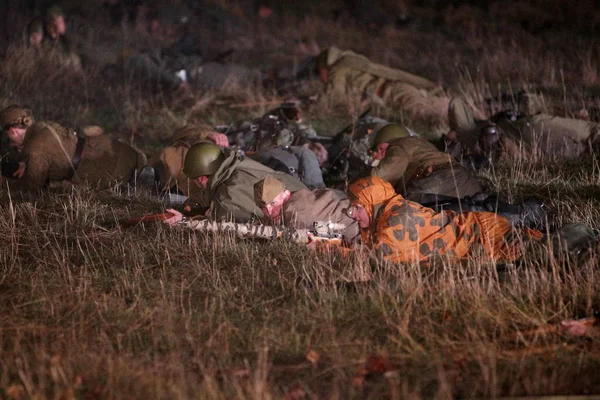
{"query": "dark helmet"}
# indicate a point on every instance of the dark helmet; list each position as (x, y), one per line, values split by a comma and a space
(202, 159)
(16, 115)
(388, 133)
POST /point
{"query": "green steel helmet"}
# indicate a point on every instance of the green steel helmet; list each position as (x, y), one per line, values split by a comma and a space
(54, 11)
(202, 159)
(35, 26)
(390, 132)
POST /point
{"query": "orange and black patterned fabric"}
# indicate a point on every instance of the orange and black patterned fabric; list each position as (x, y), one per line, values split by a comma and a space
(405, 231)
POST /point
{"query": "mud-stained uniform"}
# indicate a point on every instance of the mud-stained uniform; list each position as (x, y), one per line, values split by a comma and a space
(416, 167)
(405, 231)
(49, 150)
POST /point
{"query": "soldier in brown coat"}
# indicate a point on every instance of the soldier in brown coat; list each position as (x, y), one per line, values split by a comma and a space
(349, 74)
(53, 154)
(168, 164)
(303, 208)
(521, 135)
(416, 168)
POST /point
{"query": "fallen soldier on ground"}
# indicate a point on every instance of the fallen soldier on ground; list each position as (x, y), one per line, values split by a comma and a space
(50, 154)
(522, 136)
(303, 209)
(227, 178)
(400, 230)
(416, 169)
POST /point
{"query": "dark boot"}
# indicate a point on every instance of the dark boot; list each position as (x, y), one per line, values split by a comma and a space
(531, 213)
(574, 239)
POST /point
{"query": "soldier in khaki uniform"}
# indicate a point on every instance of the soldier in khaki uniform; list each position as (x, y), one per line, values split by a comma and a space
(53, 154)
(229, 179)
(303, 208)
(522, 135)
(168, 164)
(349, 74)
(416, 168)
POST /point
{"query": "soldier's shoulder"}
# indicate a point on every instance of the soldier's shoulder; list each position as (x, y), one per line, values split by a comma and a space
(190, 132)
(43, 131)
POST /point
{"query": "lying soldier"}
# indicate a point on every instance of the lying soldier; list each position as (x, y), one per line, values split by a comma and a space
(400, 230)
(298, 161)
(303, 209)
(228, 179)
(52, 154)
(168, 164)
(519, 136)
(416, 168)
(347, 73)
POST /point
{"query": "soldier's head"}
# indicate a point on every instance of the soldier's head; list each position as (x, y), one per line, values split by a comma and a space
(270, 195)
(291, 111)
(55, 21)
(168, 23)
(319, 150)
(14, 121)
(384, 136)
(201, 162)
(367, 196)
(35, 32)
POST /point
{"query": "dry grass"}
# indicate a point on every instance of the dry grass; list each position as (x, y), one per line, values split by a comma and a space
(89, 309)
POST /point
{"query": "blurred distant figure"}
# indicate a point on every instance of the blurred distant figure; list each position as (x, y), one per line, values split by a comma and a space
(35, 33)
(56, 41)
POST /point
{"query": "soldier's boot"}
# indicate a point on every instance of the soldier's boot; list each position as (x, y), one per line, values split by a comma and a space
(146, 178)
(575, 239)
(531, 213)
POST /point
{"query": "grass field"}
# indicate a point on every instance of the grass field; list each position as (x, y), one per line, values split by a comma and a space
(91, 309)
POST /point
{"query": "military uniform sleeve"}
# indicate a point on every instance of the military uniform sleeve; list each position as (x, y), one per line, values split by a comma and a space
(337, 82)
(36, 172)
(232, 204)
(309, 168)
(393, 166)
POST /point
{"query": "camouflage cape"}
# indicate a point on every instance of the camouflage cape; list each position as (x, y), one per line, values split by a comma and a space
(405, 231)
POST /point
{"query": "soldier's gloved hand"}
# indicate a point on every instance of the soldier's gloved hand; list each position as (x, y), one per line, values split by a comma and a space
(220, 139)
(174, 220)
